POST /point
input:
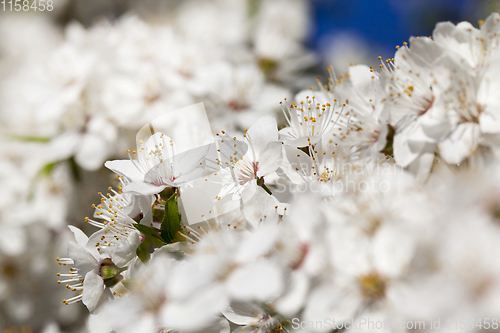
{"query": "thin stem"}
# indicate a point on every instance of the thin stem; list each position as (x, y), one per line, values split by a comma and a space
(266, 189)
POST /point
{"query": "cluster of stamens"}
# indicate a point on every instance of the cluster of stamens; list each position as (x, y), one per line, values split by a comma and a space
(309, 119)
(73, 280)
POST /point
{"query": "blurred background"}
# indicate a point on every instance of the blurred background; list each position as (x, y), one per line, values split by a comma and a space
(360, 30)
(339, 29)
(77, 82)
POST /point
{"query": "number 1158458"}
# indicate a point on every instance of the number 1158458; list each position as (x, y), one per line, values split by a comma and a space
(26, 5)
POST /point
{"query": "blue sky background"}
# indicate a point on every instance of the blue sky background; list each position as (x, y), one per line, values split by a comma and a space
(383, 24)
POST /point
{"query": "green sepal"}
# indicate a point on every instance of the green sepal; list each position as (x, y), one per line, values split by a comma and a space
(112, 281)
(389, 149)
(171, 222)
(110, 273)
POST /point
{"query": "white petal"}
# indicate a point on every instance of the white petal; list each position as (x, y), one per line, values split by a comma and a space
(12, 240)
(141, 188)
(63, 146)
(435, 125)
(80, 237)
(126, 251)
(262, 132)
(84, 261)
(462, 143)
(92, 152)
(382, 138)
(98, 324)
(296, 295)
(489, 123)
(361, 79)
(206, 306)
(332, 301)
(257, 204)
(269, 159)
(392, 250)
(410, 144)
(424, 51)
(260, 281)
(287, 134)
(241, 313)
(185, 163)
(93, 288)
(403, 154)
(294, 159)
(125, 168)
(259, 243)
(145, 207)
(421, 167)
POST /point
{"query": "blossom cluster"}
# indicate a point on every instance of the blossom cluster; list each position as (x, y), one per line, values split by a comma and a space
(249, 230)
(73, 97)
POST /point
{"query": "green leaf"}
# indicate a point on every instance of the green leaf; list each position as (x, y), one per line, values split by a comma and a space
(169, 234)
(171, 223)
(143, 251)
(31, 138)
(151, 233)
(47, 169)
(151, 241)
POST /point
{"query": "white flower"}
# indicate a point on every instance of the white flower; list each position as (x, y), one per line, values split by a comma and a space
(208, 22)
(309, 120)
(92, 273)
(360, 261)
(253, 318)
(259, 207)
(250, 167)
(324, 164)
(471, 110)
(279, 31)
(466, 282)
(415, 113)
(117, 237)
(362, 120)
(473, 46)
(151, 306)
(442, 94)
(155, 166)
(240, 94)
(233, 265)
